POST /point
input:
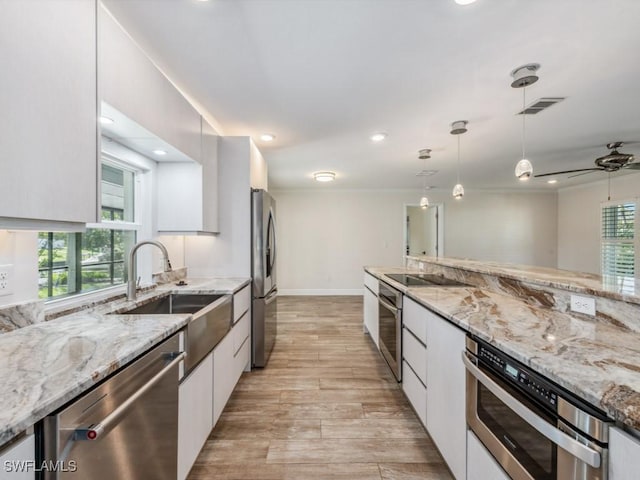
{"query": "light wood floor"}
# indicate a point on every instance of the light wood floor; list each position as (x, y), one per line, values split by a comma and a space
(325, 407)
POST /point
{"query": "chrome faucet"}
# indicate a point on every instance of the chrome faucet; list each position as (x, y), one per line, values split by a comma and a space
(133, 268)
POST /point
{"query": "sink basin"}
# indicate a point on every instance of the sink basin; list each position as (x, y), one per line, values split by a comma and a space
(212, 318)
(174, 303)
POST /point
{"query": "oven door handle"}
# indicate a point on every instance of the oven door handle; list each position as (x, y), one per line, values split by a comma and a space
(388, 306)
(575, 448)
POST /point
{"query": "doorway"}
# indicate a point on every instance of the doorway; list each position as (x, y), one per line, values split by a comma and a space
(423, 232)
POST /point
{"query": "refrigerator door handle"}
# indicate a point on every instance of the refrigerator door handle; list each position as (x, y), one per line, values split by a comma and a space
(271, 249)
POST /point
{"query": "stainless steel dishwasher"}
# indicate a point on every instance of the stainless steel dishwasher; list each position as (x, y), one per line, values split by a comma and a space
(127, 427)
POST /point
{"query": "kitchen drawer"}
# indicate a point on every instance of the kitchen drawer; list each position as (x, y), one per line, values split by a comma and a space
(415, 391)
(414, 317)
(241, 360)
(240, 332)
(415, 354)
(241, 302)
(371, 282)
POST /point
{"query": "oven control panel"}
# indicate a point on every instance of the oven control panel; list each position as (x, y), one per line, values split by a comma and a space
(516, 374)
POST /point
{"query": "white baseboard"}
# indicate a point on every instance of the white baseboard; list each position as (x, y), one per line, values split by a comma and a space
(321, 292)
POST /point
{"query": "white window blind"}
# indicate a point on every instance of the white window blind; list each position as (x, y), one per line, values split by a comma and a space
(618, 238)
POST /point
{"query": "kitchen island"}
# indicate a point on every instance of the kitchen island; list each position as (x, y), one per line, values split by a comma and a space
(528, 317)
(597, 360)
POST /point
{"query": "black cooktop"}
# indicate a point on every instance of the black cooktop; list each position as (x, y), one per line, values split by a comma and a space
(423, 280)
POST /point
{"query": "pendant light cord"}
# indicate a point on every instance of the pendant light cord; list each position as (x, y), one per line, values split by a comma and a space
(458, 159)
(523, 118)
(424, 177)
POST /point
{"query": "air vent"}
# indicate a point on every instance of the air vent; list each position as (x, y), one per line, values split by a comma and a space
(426, 173)
(540, 104)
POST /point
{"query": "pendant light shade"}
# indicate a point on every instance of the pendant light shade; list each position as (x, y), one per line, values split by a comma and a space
(424, 203)
(458, 128)
(523, 77)
(524, 170)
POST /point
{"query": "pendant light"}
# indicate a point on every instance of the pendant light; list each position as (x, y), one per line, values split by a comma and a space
(424, 154)
(523, 77)
(458, 128)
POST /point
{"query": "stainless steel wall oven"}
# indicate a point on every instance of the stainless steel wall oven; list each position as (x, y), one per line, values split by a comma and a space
(534, 428)
(390, 327)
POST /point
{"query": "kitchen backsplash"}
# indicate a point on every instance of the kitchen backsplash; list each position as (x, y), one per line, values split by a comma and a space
(610, 310)
(21, 315)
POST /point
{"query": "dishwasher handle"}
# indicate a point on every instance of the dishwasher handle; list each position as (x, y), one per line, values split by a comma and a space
(97, 430)
(564, 441)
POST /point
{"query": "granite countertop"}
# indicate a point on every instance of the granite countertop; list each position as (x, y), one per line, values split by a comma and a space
(608, 286)
(596, 361)
(49, 363)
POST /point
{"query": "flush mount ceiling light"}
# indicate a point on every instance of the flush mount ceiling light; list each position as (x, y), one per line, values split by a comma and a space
(159, 152)
(267, 137)
(378, 137)
(523, 77)
(106, 120)
(552, 181)
(324, 176)
(458, 128)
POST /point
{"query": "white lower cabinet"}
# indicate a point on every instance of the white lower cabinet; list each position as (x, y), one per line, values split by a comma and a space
(480, 464)
(195, 416)
(230, 358)
(624, 455)
(446, 386)
(415, 391)
(371, 314)
(18, 461)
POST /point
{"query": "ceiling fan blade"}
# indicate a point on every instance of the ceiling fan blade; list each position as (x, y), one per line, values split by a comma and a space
(569, 171)
(632, 166)
(578, 174)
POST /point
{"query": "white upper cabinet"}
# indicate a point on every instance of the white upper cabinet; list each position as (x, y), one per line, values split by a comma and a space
(133, 85)
(48, 127)
(188, 191)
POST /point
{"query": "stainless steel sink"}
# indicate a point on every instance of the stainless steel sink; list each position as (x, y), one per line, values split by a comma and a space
(212, 318)
(174, 303)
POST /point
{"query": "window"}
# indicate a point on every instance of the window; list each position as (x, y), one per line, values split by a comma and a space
(618, 239)
(71, 263)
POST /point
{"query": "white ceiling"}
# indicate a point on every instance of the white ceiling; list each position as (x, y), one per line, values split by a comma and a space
(323, 75)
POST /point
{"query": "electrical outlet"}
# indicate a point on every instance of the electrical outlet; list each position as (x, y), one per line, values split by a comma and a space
(6, 280)
(585, 305)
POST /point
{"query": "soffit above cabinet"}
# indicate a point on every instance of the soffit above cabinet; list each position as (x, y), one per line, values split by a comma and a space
(136, 137)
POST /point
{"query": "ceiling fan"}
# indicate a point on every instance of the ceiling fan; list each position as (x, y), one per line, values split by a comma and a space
(612, 162)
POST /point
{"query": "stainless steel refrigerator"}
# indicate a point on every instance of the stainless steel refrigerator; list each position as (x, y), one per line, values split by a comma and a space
(263, 272)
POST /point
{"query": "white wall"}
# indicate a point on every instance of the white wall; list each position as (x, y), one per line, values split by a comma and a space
(579, 220)
(20, 249)
(228, 254)
(325, 237)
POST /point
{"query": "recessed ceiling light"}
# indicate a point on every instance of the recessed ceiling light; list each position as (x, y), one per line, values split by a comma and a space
(553, 180)
(106, 120)
(160, 152)
(378, 137)
(324, 176)
(464, 2)
(267, 137)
